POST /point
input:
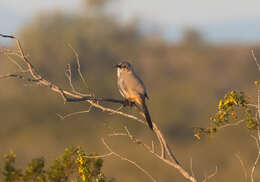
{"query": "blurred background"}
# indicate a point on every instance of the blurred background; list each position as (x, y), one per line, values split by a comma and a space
(188, 53)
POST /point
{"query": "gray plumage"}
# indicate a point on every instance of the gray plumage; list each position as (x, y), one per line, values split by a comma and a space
(132, 88)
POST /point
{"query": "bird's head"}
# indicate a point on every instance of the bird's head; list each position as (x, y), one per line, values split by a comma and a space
(124, 66)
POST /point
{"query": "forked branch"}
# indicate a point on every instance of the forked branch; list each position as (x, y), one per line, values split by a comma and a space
(166, 154)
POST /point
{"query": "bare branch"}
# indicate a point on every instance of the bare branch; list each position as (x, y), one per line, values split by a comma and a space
(118, 109)
(7, 36)
(78, 65)
(15, 62)
(166, 147)
(93, 101)
(132, 162)
(254, 58)
(151, 150)
(68, 75)
(99, 156)
(252, 105)
(211, 175)
(242, 165)
(257, 140)
(152, 146)
(231, 124)
(258, 101)
(191, 168)
(74, 113)
(17, 76)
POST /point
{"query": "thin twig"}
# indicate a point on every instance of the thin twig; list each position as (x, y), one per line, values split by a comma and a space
(153, 146)
(191, 167)
(254, 58)
(68, 75)
(242, 165)
(211, 175)
(118, 109)
(257, 140)
(258, 102)
(231, 124)
(74, 113)
(98, 156)
(252, 105)
(15, 62)
(78, 65)
(125, 159)
(14, 75)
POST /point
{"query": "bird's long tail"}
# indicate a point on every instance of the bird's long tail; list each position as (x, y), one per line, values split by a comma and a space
(147, 115)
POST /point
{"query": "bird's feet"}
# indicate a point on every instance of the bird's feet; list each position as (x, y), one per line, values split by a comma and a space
(128, 103)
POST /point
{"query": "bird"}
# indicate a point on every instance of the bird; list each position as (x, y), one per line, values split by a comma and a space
(132, 88)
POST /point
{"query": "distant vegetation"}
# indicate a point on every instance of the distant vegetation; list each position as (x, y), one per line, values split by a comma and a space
(184, 80)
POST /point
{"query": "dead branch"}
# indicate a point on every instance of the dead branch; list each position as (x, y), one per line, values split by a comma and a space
(166, 155)
(257, 140)
(78, 65)
(125, 159)
(231, 124)
(254, 58)
(15, 62)
(74, 113)
(242, 165)
(211, 175)
(171, 162)
(14, 75)
(98, 156)
(68, 75)
(191, 168)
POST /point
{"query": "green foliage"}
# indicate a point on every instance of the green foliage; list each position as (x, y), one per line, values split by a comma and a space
(234, 106)
(10, 172)
(72, 165)
(35, 171)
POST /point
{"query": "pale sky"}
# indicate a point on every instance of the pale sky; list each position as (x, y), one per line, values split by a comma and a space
(192, 11)
(165, 13)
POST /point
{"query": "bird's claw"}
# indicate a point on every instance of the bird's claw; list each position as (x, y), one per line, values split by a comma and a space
(128, 103)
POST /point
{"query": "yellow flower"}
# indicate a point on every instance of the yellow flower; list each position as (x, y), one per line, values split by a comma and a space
(80, 159)
(197, 136)
(83, 177)
(221, 115)
(220, 103)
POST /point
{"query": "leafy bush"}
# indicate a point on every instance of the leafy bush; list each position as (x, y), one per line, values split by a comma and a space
(73, 165)
(234, 107)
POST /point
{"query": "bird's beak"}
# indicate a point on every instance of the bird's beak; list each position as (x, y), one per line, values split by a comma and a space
(116, 66)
